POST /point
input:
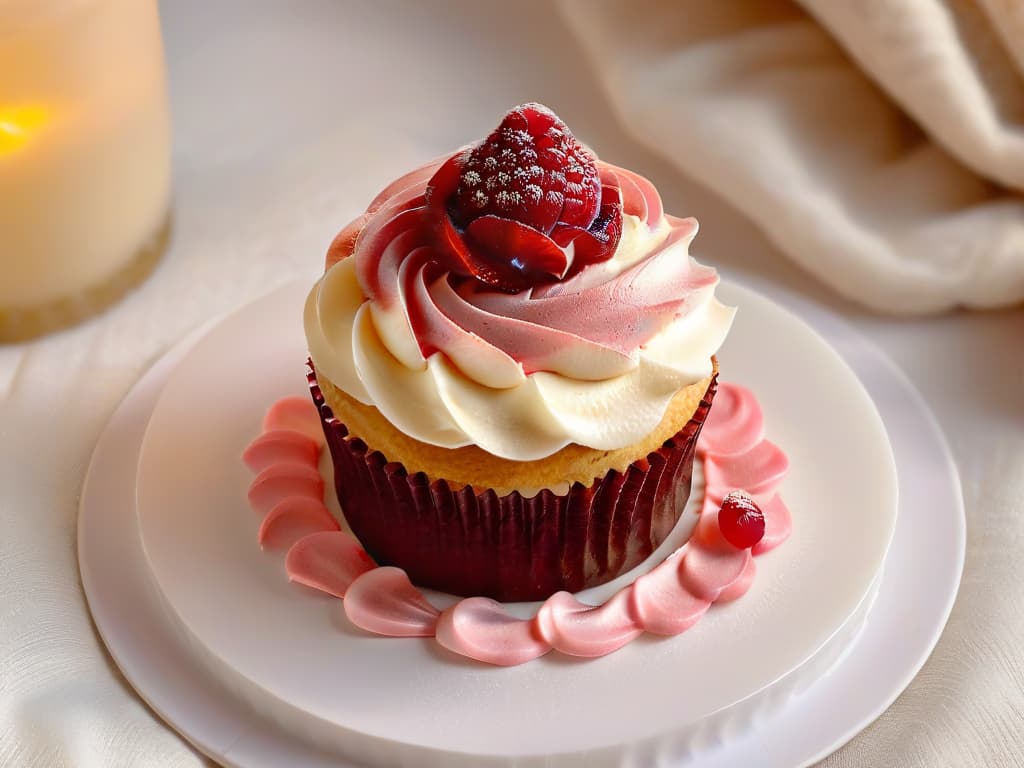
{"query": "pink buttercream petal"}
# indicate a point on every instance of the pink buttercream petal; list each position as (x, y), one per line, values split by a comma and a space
(479, 628)
(777, 525)
(414, 180)
(705, 572)
(739, 587)
(662, 604)
(293, 518)
(385, 602)
(328, 561)
(281, 481)
(633, 201)
(281, 446)
(757, 471)
(376, 267)
(297, 414)
(735, 424)
(578, 629)
(707, 532)
(634, 185)
(344, 242)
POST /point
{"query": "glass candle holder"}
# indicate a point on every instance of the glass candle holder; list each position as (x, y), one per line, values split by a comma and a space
(84, 158)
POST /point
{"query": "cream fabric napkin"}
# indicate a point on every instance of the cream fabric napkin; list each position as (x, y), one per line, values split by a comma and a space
(878, 143)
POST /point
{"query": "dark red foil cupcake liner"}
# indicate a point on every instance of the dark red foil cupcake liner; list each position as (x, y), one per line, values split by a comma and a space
(510, 547)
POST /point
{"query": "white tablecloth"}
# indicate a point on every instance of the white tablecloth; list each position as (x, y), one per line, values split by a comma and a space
(288, 118)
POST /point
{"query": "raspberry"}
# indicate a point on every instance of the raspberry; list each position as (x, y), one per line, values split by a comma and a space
(741, 520)
(532, 170)
(507, 210)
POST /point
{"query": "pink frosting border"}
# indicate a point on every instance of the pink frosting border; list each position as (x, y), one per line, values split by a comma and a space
(667, 600)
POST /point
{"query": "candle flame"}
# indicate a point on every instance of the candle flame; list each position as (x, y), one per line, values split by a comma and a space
(18, 124)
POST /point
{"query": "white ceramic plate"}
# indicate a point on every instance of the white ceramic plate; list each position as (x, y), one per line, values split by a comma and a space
(207, 714)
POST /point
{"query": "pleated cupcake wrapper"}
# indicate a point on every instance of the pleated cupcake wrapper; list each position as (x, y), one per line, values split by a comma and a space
(470, 541)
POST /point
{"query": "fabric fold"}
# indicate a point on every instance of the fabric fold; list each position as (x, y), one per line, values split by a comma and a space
(857, 183)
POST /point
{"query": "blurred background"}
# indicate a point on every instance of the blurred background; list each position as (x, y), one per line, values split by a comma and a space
(867, 155)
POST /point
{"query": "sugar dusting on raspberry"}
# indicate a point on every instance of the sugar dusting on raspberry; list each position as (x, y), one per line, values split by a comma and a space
(531, 169)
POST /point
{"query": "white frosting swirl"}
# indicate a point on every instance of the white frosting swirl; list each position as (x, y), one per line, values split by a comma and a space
(472, 392)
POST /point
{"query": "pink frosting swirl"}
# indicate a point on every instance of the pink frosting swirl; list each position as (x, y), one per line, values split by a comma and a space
(603, 314)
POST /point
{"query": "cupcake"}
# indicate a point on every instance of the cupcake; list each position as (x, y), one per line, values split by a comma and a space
(513, 354)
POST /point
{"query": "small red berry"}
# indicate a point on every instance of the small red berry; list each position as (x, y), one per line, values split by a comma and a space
(741, 520)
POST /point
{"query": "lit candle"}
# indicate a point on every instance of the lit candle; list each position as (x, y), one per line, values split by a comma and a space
(18, 125)
(84, 157)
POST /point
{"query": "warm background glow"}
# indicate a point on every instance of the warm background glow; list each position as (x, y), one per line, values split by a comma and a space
(17, 126)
